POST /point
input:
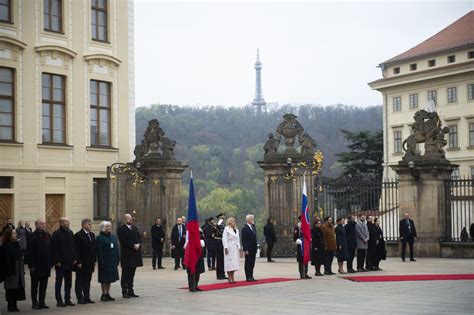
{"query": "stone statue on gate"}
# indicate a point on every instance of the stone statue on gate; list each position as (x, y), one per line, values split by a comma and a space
(168, 148)
(271, 146)
(289, 128)
(426, 129)
(308, 144)
(155, 145)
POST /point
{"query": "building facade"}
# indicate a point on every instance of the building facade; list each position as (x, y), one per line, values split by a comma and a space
(436, 74)
(66, 105)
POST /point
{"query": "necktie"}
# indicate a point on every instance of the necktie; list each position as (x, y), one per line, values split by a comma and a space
(89, 235)
(180, 233)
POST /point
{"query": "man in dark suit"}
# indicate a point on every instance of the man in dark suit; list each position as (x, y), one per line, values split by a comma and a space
(39, 263)
(407, 234)
(8, 225)
(157, 241)
(86, 257)
(178, 238)
(130, 255)
(249, 245)
(270, 238)
(207, 229)
(351, 237)
(63, 253)
(217, 231)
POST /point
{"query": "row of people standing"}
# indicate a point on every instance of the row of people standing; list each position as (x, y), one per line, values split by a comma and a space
(342, 241)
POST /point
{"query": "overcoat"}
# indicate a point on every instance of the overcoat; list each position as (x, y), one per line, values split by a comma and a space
(107, 258)
(129, 256)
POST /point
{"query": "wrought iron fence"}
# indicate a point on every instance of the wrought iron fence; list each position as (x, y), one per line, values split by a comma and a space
(459, 196)
(376, 197)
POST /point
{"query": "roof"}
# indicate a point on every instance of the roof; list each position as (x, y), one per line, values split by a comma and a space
(458, 34)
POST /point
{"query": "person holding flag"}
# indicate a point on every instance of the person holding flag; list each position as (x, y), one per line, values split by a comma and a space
(193, 254)
(302, 237)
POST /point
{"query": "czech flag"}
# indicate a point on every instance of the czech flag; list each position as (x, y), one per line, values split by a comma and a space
(305, 229)
(193, 249)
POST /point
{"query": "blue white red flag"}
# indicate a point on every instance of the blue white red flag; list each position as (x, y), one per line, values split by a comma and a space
(193, 249)
(305, 229)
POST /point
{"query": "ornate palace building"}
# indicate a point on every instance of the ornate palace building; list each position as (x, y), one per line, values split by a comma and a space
(436, 74)
(66, 105)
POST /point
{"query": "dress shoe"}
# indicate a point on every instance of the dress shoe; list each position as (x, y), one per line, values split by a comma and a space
(161, 267)
(403, 259)
(43, 306)
(81, 301)
(412, 259)
(89, 301)
(342, 272)
(176, 267)
(351, 271)
(192, 290)
(132, 294)
(69, 303)
(154, 268)
(378, 268)
(110, 298)
(307, 277)
(104, 298)
(271, 260)
(126, 295)
(198, 289)
(318, 274)
(35, 307)
(60, 304)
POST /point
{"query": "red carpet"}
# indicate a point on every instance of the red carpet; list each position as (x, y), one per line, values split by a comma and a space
(410, 278)
(227, 285)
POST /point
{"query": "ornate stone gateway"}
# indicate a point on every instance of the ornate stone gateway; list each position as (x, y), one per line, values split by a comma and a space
(285, 167)
(149, 187)
(422, 182)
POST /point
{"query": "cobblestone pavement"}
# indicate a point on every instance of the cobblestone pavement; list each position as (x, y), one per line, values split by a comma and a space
(159, 293)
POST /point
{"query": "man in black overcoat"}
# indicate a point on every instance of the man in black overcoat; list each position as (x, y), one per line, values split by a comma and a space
(39, 263)
(270, 238)
(64, 258)
(407, 235)
(249, 245)
(207, 229)
(178, 238)
(351, 237)
(371, 245)
(130, 255)
(8, 225)
(157, 241)
(86, 258)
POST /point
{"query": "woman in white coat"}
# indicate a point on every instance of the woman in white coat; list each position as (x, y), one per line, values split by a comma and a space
(231, 243)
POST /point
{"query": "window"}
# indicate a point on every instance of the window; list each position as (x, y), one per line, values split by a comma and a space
(413, 67)
(397, 142)
(470, 92)
(7, 104)
(452, 95)
(99, 20)
(451, 59)
(6, 11)
(54, 108)
(100, 113)
(397, 104)
(470, 54)
(53, 15)
(432, 96)
(100, 209)
(396, 70)
(432, 63)
(6, 182)
(471, 134)
(453, 136)
(414, 100)
(455, 173)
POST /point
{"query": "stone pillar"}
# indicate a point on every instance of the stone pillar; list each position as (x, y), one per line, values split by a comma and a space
(283, 201)
(422, 195)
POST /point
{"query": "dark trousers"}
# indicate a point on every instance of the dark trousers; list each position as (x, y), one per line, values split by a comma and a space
(250, 264)
(178, 261)
(410, 242)
(350, 259)
(361, 258)
(128, 273)
(220, 273)
(157, 255)
(66, 275)
(328, 258)
(42, 284)
(303, 269)
(211, 258)
(269, 251)
(83, 283)
(193, 281)
(369, 264)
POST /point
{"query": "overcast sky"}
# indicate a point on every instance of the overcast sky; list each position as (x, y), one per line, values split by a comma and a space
(190, 53)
